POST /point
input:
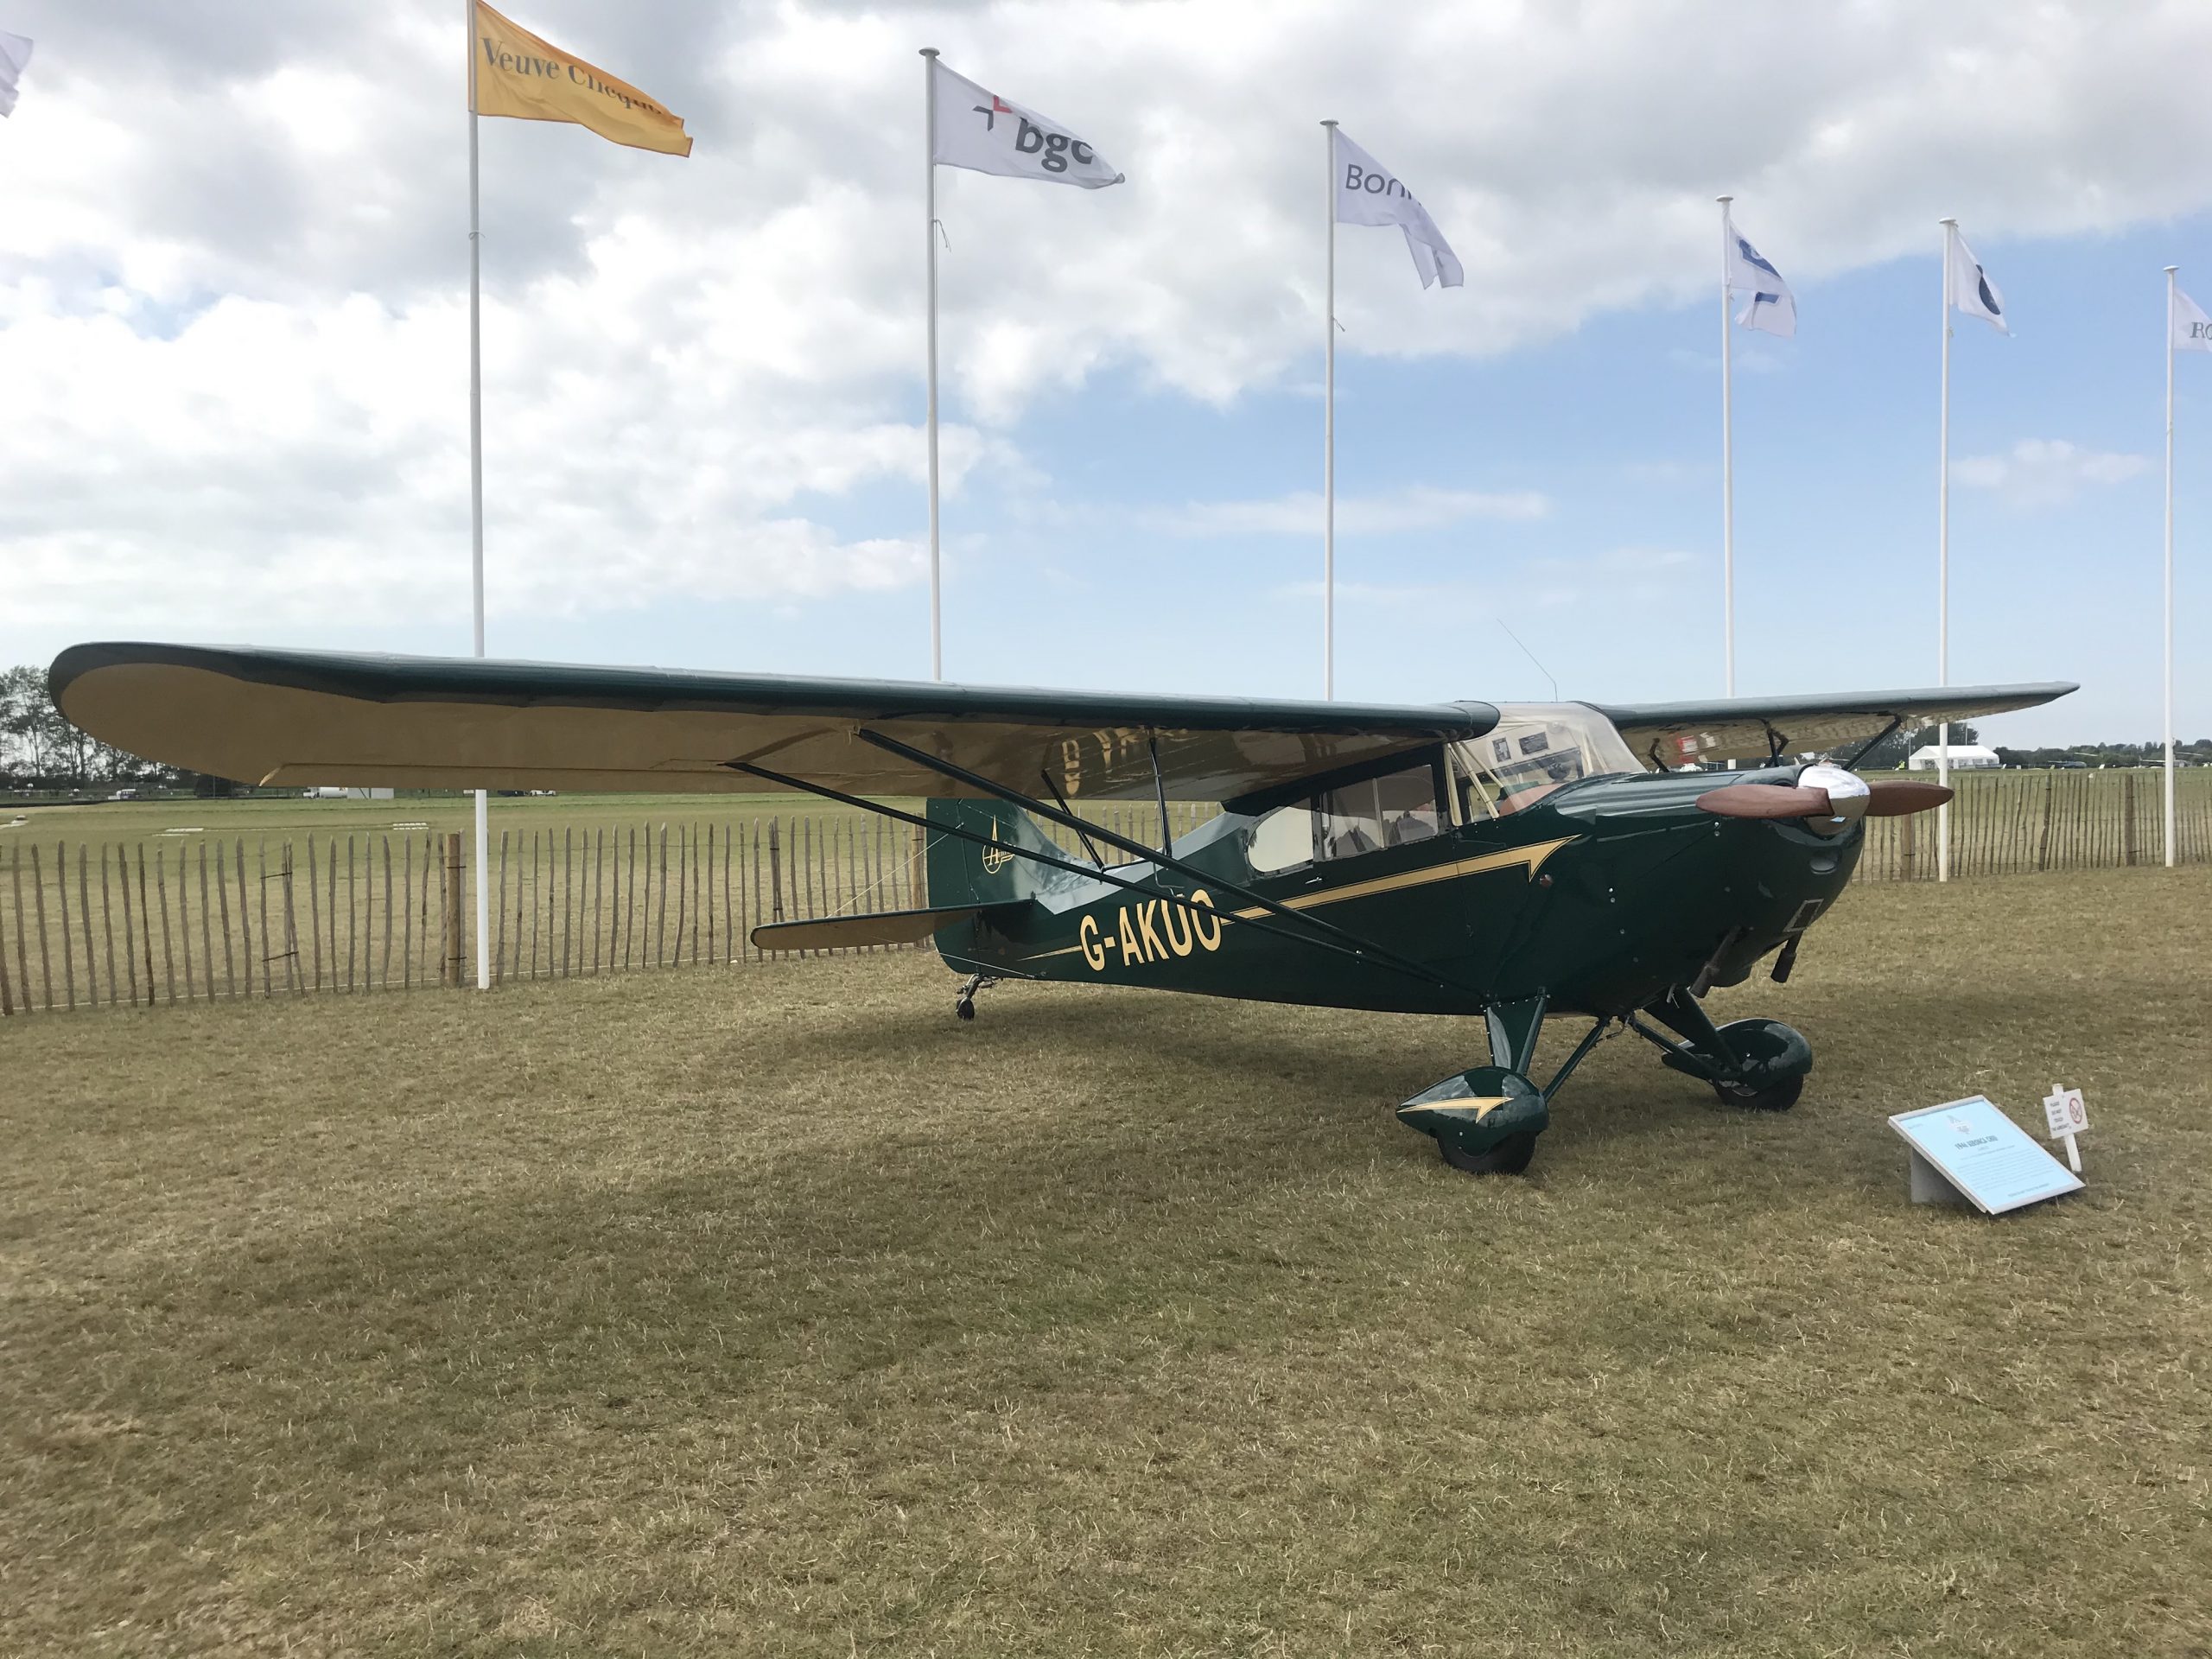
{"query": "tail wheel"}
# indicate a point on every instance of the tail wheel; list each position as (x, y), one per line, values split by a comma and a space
(1508, 1157)
(1775, 1097)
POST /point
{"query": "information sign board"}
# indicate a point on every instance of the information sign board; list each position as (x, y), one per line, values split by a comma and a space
(1969, 1149)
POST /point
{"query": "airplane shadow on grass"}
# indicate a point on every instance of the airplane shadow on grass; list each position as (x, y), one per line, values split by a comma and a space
(1247, 1071)
(1074, 1172)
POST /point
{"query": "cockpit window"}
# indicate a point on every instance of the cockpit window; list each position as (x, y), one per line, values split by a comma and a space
(1534, 748)
(1387, 811)
(1393, 811)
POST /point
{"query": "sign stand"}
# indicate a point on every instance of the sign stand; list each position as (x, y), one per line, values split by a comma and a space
(1929, 1185)
(1968, 1152)
(2068, 1115)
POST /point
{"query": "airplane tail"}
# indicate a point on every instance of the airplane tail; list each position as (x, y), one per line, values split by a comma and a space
(960, 871)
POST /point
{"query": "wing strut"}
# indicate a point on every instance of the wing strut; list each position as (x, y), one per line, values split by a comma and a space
(1875, 742)
(1362, 950)
(1371, 955)
(1063, 800)
(1159, 788)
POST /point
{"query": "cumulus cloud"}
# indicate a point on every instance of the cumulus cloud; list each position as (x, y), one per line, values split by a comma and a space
(1612, 576)
(1299, 512)
(2046, 472)
(232, 264)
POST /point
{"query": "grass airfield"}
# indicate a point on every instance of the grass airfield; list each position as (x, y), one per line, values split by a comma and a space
(773, 1311)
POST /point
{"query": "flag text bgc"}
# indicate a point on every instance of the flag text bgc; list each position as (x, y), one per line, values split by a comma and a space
(523, 63)
(1152, 931)
(1058, 147)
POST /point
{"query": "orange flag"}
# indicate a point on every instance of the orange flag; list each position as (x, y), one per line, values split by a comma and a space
(514, 73)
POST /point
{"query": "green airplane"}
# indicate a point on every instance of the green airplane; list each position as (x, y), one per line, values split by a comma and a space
(1514, 862)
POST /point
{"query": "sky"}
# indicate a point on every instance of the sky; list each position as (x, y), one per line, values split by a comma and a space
(233, 372)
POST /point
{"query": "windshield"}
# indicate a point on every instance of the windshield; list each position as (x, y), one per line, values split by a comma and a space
(1534, 748)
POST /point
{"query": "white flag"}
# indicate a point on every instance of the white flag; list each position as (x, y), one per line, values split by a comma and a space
(981, 130)
(1369, 193)
(2192, 329)
(1772, 308)
(15, 53)
(1972, 291)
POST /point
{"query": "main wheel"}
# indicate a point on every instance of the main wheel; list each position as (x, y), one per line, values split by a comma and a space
(1508, 1157)
(965, 1007)
(1775, 1097)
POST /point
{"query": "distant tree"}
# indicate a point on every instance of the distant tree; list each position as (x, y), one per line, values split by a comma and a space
(1887, 755)
(26, 725)
(1963, 736)
(39, 747)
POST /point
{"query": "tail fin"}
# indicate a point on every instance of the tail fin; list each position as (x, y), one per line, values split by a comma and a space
(960, 871)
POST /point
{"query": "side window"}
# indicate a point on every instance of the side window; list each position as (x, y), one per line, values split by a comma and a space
(1283, 840)
(1394, 811)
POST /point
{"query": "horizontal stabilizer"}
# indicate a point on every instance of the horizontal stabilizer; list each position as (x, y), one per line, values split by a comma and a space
(885, 927)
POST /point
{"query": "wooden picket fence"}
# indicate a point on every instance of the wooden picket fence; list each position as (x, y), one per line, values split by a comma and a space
(164, 921)
(2016, 822)
(226, 918)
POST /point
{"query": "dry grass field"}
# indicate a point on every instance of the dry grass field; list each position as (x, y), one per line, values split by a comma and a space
(773, 1312)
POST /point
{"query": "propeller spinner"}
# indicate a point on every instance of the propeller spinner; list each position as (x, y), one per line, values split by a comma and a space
(1830, 797)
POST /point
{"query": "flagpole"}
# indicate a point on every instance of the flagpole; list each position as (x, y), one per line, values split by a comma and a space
(1944, 565)
(1727, 475)
(476, 497)
(929, 241)
(2171, 269)
(1329, 431)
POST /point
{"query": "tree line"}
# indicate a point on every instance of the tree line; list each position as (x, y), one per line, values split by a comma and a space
(41, 750)
(1892, 752)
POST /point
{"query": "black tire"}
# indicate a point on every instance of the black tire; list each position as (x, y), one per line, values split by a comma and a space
(964, 1008)
(1775, 1097)
(1508, 1157)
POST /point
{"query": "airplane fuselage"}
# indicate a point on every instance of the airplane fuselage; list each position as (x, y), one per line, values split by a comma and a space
(1599, 898)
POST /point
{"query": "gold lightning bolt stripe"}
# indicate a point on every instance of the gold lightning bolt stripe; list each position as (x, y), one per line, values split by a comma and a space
(1532, 856)
(1484, 1105)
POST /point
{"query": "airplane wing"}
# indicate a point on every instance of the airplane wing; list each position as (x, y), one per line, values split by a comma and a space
(307, 718)
(1751, 728)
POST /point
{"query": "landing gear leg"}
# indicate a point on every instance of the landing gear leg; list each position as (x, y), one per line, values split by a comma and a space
(1756, 1064)
(963, 1000)
(1486, 1120)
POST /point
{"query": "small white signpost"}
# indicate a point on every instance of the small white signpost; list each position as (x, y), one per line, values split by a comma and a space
(2068, 1115)
(1968, 1152)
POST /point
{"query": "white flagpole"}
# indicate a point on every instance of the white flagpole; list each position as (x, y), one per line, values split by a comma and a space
(476, 498)
(1943, 569)
(929, 238)
(2171, 269)
(1329, 433)
(1727, 475)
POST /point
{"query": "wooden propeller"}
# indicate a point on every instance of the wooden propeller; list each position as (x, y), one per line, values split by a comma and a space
(1765, 801)
(1893, 798)
(1887, 798)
